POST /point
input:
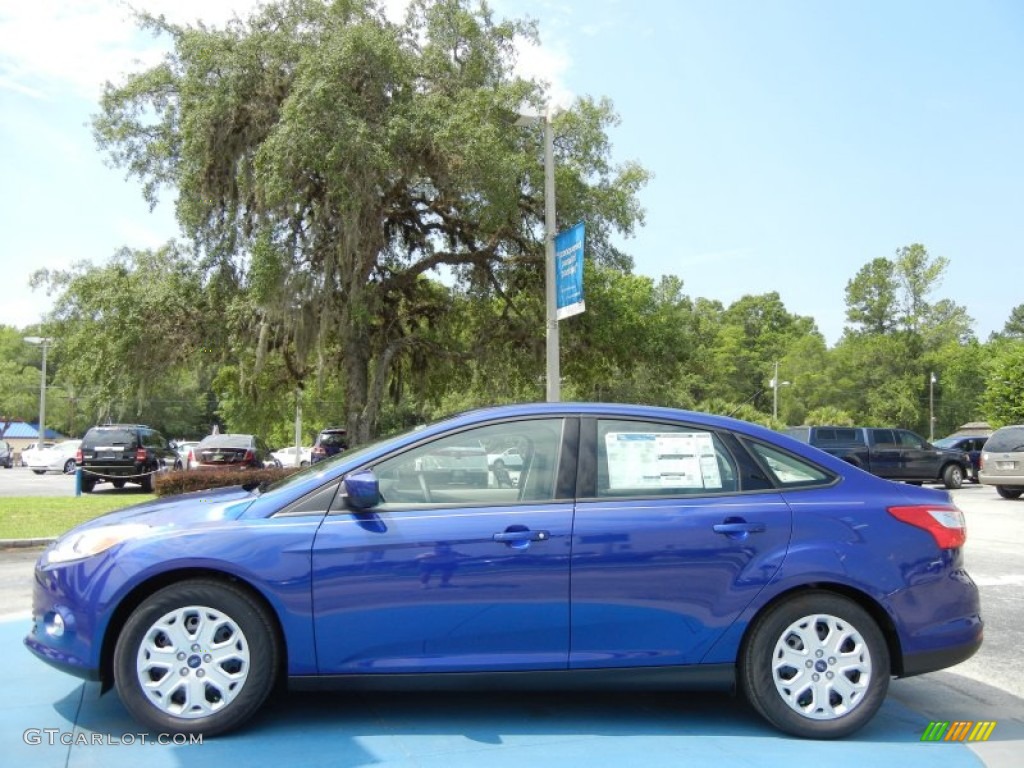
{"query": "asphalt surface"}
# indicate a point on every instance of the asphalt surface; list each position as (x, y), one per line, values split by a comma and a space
(614, 729)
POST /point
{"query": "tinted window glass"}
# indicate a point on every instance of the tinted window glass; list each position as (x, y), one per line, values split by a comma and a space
(910, 440)
(1006, 440)
(883, 437)
(111, 436)
(638, 458)
(848, 436)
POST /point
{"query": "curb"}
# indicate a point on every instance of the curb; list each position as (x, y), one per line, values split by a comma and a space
(25, 543)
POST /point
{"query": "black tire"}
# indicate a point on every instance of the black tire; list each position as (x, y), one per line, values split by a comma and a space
(88, 483)
(147, 481)
(953, 476)
(796, 624)
(39, 471)
(117, 484)
(1008, 492)
(241, 632)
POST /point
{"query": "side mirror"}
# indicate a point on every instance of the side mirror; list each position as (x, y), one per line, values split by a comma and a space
(362, 490)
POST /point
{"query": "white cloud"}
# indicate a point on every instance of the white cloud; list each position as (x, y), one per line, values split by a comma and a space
(49, 45)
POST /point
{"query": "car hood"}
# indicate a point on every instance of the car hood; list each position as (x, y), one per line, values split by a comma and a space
(182, 510)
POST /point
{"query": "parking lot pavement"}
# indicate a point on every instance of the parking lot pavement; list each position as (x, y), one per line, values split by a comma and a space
(21, 481)
(51, 719)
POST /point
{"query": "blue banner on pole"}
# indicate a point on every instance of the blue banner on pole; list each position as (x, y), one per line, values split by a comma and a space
(569, 272)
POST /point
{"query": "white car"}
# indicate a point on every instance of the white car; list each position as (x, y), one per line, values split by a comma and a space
(58, 458)
(286, 456)
(29, 452)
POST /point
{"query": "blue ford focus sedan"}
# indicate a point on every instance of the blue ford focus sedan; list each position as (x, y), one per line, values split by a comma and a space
(631, 546)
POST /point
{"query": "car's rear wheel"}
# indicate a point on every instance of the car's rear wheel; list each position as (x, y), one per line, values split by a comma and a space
(69, 467)
(196, 657)
(953, 476)
(117, 483)
(815, 666)
(88, 483)
(1009, 493)
(147, 481)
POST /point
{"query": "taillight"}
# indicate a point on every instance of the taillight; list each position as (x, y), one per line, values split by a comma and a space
(140, 454)
(78, 456)
(946, 524)
(191, 457)
(249, 457)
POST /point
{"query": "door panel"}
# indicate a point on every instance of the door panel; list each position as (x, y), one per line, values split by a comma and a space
(459, 568)
(668, 550)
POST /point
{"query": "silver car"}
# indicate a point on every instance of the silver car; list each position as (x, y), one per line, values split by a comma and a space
(1002, 461)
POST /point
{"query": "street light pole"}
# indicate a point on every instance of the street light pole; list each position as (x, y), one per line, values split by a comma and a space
(931, 408)
(43, 342)
(553, 373)
(554, 376)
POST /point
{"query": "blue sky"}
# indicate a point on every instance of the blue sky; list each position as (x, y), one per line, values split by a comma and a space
(791, 142)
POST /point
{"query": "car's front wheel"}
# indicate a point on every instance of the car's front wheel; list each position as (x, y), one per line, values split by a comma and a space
(196, 657)
(953, 476)
(815, 666)
(1008, 492)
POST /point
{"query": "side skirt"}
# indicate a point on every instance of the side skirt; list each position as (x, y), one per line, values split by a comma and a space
(697, 677)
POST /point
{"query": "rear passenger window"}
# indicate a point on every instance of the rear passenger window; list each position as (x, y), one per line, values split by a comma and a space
(639, 458)
(789, 471)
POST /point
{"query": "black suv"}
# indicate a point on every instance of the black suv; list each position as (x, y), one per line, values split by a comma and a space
(124, 453)
(330, 441)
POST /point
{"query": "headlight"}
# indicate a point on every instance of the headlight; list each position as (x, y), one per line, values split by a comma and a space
(78, 546)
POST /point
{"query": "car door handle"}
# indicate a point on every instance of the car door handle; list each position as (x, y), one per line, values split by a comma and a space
(513, 536)
(739, 527)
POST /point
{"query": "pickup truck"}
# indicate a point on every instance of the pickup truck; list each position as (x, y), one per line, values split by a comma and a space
(895, 454)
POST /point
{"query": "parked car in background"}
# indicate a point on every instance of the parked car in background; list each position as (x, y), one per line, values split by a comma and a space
(1002, 461)
(125, 453)
(183, 449)
(60, 457)
(972, 445)
(286, 457)
(6, 454)
(29, 452)
(895, 454)
(232, 451)
(329, 442)
(642, 546)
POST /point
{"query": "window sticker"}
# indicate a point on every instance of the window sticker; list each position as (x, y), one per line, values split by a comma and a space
(661, 460)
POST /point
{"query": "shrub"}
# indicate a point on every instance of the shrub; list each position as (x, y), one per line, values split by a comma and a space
(173, 483)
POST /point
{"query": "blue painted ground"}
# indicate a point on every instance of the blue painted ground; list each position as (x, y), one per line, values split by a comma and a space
(446, 731)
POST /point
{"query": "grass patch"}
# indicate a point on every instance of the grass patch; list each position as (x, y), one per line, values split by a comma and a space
(32, 517)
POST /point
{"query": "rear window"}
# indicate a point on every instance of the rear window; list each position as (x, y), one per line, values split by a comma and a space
(226, 441)
(334, 439)
(1007, 440)
(108, 436)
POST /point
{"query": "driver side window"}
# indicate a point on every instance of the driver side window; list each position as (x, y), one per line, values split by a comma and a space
(505, 463)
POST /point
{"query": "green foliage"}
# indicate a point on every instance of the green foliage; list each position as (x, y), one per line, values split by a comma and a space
(330, 159)
(829, 416)
(1003, 402)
